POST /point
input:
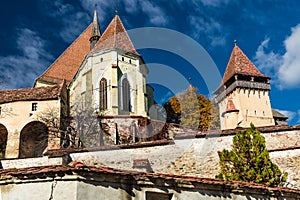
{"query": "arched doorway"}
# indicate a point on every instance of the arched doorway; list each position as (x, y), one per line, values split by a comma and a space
(33, 140)
(3, 140)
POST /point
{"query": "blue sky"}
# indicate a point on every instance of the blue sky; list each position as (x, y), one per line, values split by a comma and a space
(35, 32)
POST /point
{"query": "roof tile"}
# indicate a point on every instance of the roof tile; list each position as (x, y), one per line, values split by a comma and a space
(239, 63)
(49, 170)
(30, 94)
(230, 106)
(115, 36)
(67, 64)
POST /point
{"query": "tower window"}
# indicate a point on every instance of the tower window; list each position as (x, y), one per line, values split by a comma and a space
(101, 59)
(103, 94)
(33, 106)
(123, 58)
(126, 95)
(130, 61)
(0, 110)
(255, 112)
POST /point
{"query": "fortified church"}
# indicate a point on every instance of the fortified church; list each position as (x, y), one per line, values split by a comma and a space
(103, 76)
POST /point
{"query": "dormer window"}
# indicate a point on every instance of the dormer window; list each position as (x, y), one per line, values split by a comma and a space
(33, 106)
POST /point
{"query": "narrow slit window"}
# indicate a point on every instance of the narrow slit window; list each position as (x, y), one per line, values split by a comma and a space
(103, 94)
(126, 95)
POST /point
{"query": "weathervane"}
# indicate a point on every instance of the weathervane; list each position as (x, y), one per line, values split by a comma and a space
(235, 41)
(117, 5)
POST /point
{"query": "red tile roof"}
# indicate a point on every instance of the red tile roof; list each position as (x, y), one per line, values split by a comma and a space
(67, 64)
(115, 36)
(239, 63)
(230, 106)
(30, 94)
(80, 168)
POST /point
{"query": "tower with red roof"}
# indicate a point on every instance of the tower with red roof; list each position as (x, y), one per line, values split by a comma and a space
(243, 96)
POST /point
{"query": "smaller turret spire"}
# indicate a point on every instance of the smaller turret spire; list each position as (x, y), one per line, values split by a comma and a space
(96, 32)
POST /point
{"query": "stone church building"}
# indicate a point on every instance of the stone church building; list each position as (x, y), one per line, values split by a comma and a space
(101, 75)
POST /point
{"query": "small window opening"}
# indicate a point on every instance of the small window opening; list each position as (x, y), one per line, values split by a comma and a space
(101, 59)
(34, 107)
(123, 59)
(130, 61)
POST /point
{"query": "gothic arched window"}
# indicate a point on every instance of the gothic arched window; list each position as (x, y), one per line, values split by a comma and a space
(126, 95)
(103, 94)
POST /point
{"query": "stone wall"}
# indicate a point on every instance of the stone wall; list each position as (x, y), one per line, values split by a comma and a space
(32, 162)
(198, 155)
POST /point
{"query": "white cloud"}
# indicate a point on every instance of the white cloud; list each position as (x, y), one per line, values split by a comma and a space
(285, 69)
(298, 115)
(73, 21)
(268, 63)
(214, 3)
(156, 14)
(208, 28)
(289, 71)
(74, 25)
(28, 64)
(290, 114)
(208, 3)
(103, 7)
(59, 9)
(131, 6)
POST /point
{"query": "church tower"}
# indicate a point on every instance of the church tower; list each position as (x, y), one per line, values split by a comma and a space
(243, 96)
(112, 77)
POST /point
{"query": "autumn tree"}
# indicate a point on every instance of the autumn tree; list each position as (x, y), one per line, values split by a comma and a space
(215, 118)
(189, 109)
(249, 160)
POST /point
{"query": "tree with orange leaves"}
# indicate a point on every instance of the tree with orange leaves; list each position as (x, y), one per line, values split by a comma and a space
(189, 109)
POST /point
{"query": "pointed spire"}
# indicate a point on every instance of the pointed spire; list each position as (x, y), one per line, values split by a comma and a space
(240, 64)
(96, 32)
(115, 36)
